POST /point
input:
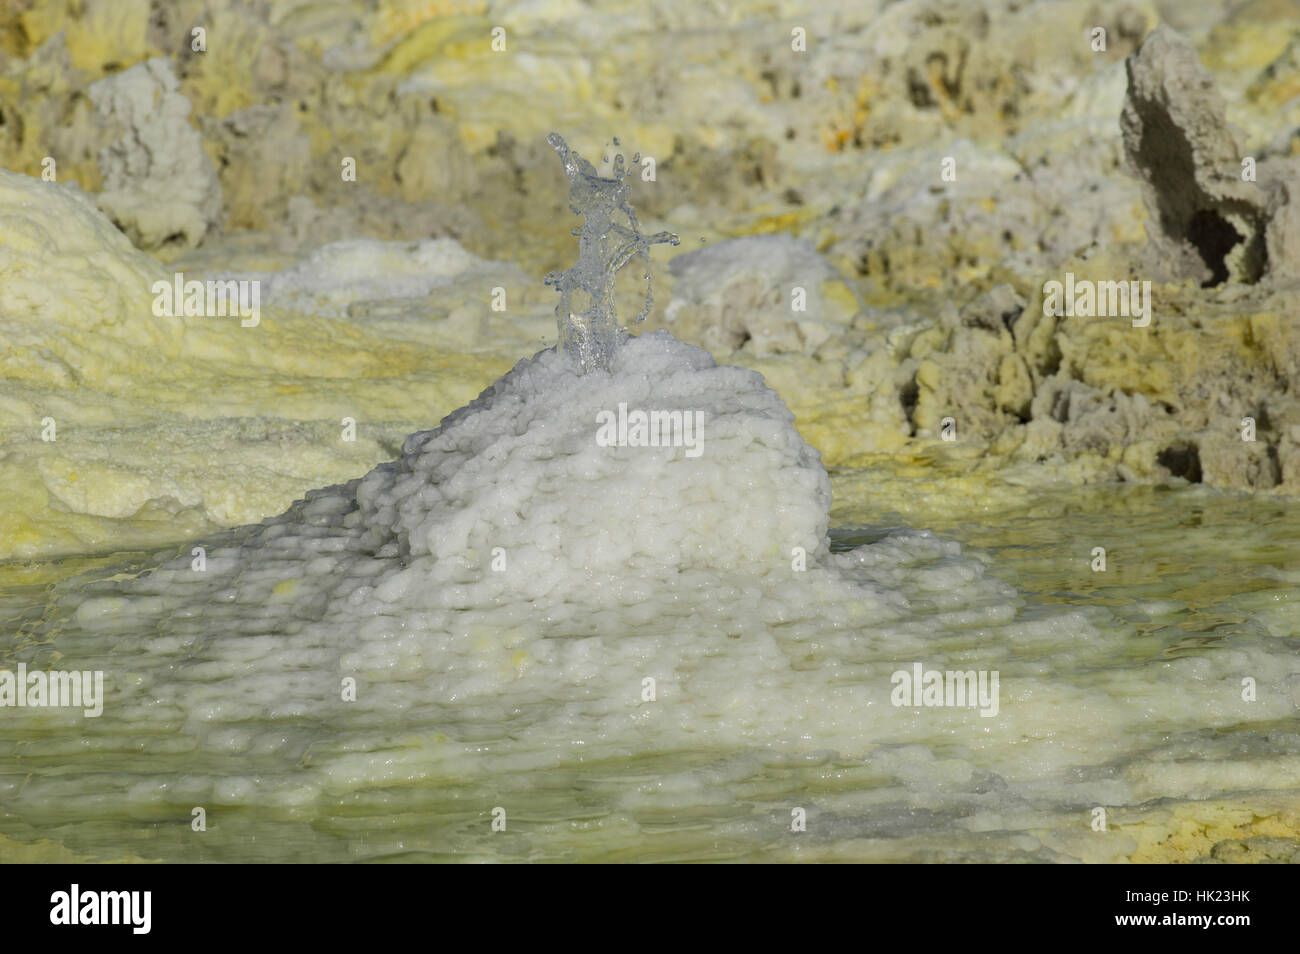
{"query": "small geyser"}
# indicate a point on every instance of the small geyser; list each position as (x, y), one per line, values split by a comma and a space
(587, 315)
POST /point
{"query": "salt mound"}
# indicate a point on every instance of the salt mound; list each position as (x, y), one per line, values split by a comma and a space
(515, 500)
(521, 469)
(737, 293)
(336, 275)
(778, 259)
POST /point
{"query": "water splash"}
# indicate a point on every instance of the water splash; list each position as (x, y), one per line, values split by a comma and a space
(610, 237)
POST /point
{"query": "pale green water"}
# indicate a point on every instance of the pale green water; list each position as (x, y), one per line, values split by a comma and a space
(1190, 573)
